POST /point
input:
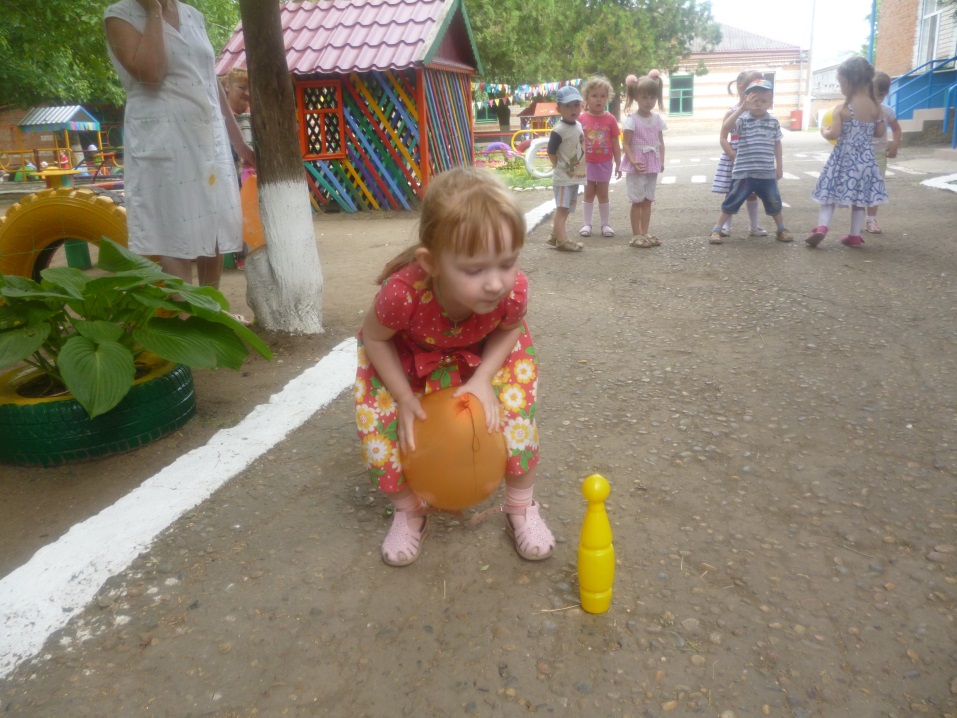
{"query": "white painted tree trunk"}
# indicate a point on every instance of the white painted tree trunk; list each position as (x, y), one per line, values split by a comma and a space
(284, 278)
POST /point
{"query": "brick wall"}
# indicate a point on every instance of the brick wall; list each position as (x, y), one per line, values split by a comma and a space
(897, 32)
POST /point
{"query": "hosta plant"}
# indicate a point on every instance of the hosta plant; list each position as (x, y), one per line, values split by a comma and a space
(83, 332)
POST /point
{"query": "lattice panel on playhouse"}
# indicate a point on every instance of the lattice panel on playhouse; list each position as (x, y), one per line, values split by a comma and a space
(381, 139)
(447, 98)
(321, 119)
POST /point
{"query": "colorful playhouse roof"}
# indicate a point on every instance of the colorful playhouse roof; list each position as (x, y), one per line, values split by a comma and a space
(340, 36)
(53, 119)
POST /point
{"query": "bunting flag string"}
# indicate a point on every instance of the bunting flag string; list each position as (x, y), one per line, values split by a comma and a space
(520, 93)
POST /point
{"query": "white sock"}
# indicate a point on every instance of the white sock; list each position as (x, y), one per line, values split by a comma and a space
(753, 212)
(825, 214)
(588, 208)
(858, 215)
(603, 211)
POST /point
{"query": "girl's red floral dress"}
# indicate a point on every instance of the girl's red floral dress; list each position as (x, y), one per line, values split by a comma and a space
(437, 353)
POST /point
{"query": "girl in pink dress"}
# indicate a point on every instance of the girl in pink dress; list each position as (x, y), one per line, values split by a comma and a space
(451, 312)
(644, 148)
(601, 150)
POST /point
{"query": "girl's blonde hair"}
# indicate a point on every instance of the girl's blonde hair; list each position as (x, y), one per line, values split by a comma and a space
(462, 209)
(595, 82)
(741, 82)
(236, 74)
(645, 85)
(859, 74)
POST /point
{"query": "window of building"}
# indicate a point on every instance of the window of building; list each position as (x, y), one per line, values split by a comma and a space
(485, 114)
(321, 127)
(681, 95)
(929, 29)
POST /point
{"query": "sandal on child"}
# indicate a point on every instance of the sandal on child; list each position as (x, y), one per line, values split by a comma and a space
(607, 231)
(533, 539)
(653, 238)
(816, 236)
(565, 245)
(402, 544)
(642, 241)
(585, 231)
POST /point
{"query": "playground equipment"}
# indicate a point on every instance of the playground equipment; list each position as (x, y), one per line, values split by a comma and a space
(34, 228)
(536, 159)
(504, 152)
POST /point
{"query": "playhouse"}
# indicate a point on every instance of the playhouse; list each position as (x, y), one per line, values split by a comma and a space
(383, 95)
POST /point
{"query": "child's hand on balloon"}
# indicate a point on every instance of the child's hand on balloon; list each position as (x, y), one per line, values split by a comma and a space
(485, 394)
(408, 411)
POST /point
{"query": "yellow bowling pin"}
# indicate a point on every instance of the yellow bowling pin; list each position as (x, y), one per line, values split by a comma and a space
(596, 554)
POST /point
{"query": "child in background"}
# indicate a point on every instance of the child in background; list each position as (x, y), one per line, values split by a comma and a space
(601, 149)
(851, 175)
(456, 300)
(758, 164)
(729, 145)
(644, 148)
(566, 152)
(882, 148)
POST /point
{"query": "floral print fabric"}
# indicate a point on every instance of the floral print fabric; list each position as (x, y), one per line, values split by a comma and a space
(851, 175)
(436, 353)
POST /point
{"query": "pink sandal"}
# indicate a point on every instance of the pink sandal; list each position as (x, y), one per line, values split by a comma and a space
(533, 540)
(402, 544)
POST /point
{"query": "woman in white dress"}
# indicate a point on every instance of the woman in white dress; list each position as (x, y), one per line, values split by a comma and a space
(181, 187)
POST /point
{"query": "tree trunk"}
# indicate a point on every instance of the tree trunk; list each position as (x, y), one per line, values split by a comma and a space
(284, 277)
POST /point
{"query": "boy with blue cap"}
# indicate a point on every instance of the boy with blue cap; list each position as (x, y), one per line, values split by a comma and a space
(566, 151)
(758, 161)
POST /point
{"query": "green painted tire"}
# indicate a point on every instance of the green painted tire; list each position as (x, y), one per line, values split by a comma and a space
(49, 432)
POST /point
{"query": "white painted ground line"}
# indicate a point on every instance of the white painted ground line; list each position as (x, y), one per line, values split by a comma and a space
(61, 578)
(948, 182)
(41, 596)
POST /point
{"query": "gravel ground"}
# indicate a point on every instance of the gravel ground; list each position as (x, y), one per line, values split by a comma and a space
(778, 428)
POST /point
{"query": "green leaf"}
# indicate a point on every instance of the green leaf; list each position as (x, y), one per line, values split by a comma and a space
(73, 281)
(31, 293)
(193, 342)
(18, 344)
(99, 331)
(99, 375)
(115, 258)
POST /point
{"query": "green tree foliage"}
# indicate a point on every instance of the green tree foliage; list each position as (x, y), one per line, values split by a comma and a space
(54, 51)
(516, 39)
(528, 41)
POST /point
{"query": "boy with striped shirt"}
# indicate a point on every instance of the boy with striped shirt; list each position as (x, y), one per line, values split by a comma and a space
(757, 163)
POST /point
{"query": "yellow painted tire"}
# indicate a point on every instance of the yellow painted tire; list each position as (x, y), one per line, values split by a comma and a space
(533, 159)
(34, 227)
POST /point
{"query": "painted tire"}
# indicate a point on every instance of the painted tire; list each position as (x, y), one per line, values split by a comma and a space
(39, 223)
(48, 432)
(533, 162)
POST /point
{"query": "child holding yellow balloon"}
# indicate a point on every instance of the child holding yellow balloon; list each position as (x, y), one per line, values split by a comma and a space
(450, 311)
(851, 175)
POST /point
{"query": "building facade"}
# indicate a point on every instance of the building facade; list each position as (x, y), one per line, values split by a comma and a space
(695, 99)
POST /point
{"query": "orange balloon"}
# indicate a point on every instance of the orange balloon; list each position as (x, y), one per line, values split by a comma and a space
(253, 235)
(456, 463)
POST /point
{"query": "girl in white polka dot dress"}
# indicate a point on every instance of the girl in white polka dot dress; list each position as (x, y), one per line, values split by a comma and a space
(451, 312)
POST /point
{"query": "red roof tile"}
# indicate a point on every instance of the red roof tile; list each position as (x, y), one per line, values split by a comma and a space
(341, 36)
